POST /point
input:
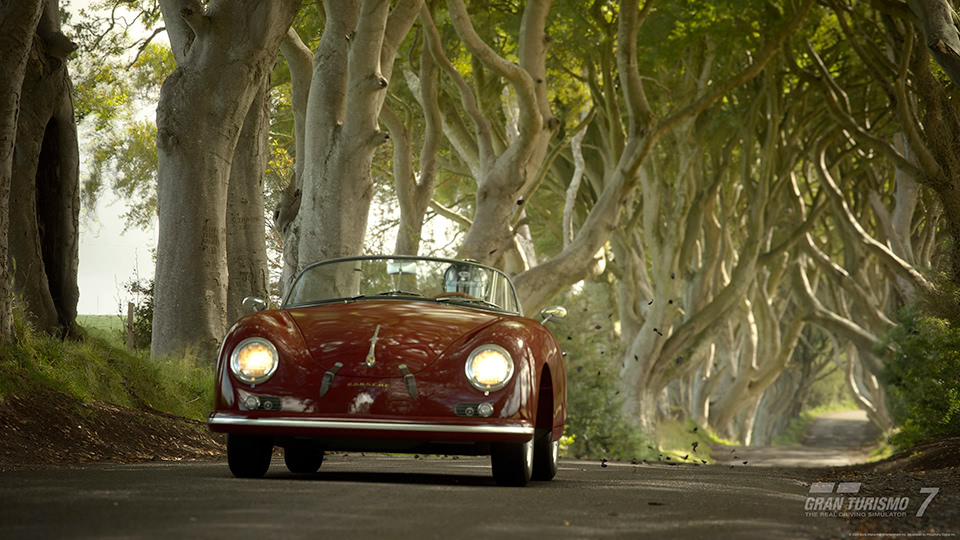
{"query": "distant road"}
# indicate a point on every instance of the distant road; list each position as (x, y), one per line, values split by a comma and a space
(834, 439)
(387, 497)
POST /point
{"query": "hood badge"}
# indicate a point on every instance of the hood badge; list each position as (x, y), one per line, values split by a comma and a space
(371, 359)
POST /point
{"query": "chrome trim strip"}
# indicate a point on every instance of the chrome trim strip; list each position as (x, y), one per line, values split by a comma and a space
(352, 424)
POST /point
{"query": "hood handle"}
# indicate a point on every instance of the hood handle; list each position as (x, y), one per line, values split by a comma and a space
(328, 378)
(408, 378)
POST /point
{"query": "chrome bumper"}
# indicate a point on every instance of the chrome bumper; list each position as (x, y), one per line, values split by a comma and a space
(229, 420)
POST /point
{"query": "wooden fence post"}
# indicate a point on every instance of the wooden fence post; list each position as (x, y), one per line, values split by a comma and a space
(130, 341)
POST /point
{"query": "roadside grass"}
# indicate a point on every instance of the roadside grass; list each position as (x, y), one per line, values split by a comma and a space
(97, 368)
(110, 328)
(797, 430)
(675, 439)
(882, 450)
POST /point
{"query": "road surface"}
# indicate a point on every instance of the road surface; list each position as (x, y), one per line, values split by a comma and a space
(833, 439)
(356, 496)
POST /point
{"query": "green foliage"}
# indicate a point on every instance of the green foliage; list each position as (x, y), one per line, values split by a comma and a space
(113, 97)
(675, 439)
(97, 369)
(142, 292)
(924, 376)
(797, 429)
(595, 425)
(109, 328)
(829, 391)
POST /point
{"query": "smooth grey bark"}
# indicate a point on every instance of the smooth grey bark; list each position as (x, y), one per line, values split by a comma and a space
(928, 117)
(630, 150)
(352, 64)
(937, 19)
(18, 24)
(223, 52)
(246, 228)
(300, 61)
(507, 176)
(44, 201)
(414, 194)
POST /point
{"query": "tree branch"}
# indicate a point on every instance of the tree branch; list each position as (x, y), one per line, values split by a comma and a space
(762, 58)
(909, 122)
(300, 61)
(450, 214)
(467, 97)
(888, 258)
(522, 82)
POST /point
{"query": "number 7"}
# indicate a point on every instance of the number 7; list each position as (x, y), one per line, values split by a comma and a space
(933, 493)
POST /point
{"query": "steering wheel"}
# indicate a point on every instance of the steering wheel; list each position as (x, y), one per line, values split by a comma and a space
(455, 294)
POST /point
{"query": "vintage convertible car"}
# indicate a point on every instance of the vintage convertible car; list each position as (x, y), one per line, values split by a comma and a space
(393, 354)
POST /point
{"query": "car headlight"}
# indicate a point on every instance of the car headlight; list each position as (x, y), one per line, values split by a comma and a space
(489, 367)
(254, 360)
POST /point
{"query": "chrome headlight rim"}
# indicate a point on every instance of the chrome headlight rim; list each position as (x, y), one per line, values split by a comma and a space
(235, 360)
(468, 368)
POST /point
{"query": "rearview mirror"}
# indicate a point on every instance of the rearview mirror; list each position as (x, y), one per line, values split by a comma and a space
(553, 313)
(253, 304)
(405, 267)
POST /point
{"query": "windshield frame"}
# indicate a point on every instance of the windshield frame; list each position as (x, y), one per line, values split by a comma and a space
(482, 306)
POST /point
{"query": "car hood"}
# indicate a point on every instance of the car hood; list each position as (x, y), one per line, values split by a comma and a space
(414, 333)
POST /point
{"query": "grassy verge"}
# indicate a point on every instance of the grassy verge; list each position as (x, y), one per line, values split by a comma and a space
(98, 368)
(882, 450)
(109, 328)
(797, 430)
(675, 439)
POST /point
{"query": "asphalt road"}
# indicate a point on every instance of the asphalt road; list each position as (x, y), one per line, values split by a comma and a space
(833, 439)
(357, 496)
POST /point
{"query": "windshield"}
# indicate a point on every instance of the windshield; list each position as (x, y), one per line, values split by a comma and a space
(439, 280)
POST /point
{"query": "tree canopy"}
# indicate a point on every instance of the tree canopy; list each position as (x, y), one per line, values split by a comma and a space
(759, 186)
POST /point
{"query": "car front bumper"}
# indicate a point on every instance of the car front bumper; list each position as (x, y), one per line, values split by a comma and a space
(353, 428)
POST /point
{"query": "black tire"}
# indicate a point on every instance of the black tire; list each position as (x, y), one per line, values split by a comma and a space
(249, 455)
(302, 459)
(512, 463)
(546, 452)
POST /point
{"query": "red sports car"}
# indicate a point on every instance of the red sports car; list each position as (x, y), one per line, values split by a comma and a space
(393, 354)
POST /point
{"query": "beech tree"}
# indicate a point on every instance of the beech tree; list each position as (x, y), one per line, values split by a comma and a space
(18, 23)
(757, 206)
(897, 57)
(337, 99)
(39, 162)
(224, 52)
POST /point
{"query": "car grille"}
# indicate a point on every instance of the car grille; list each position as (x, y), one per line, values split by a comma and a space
(466, 409)
(269, 403)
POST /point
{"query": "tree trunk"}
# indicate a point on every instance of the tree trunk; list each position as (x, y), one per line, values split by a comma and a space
(300, 61)
(350, 76)
(44, 201)
(18, 24)
(414, 196)
(223, 54)
(507, 178)
(246, 229)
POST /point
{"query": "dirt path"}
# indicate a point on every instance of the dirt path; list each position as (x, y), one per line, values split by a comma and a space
(838, 438)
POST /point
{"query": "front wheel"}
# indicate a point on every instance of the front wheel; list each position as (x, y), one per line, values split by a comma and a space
(546, 453)
(512, 463)
(248, 455)
(302, 459)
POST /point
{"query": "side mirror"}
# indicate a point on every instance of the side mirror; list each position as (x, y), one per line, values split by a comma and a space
(549, 313)
(253, 304)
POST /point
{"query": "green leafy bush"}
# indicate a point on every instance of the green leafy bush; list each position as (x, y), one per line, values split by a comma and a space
(142, 292)
(596, 426)
(924, 376)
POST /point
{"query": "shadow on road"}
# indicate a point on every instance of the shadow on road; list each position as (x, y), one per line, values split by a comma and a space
(387, 478)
